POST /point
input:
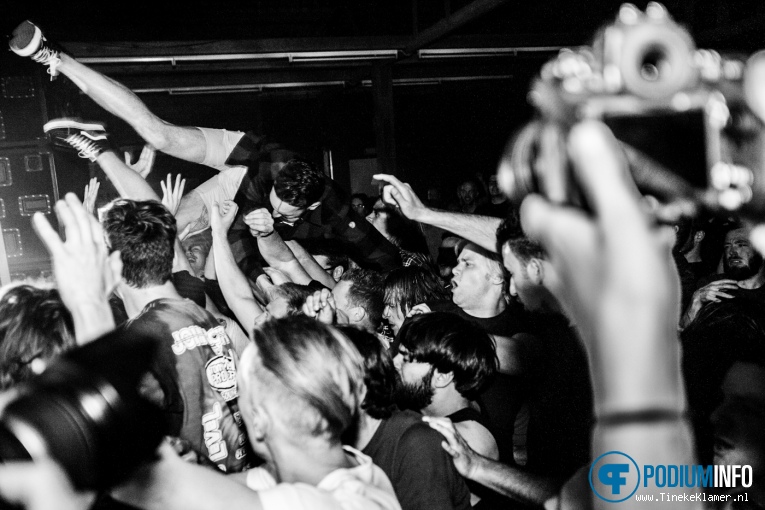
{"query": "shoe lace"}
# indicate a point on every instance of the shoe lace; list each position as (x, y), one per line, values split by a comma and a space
(49, 57)
(87, 148)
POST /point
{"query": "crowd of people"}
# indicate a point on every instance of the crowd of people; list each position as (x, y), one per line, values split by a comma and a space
(322, 350)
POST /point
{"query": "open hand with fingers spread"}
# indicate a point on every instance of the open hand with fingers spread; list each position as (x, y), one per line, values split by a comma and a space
(172, 193)
(85, 272)
(261, 223)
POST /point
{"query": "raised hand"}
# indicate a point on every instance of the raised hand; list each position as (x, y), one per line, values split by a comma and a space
(321, 306)
(90, 195)
(172, 193)
(261, 223)
(220, 221)
(145, 162)
(85, 271)
(402, 195)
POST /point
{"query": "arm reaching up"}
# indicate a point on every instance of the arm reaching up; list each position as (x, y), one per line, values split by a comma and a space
(233, 283)
(273, 248)
(85, 272)
(481, 230)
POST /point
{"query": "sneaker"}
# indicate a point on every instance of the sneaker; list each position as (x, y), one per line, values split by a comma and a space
(60, 129)
(28, 40)
(89, 144)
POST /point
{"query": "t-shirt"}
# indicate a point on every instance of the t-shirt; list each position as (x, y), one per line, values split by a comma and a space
(333, 219)
(363, 487)
(503, 399)
(507, 323)
(194, 379)
(422, 473)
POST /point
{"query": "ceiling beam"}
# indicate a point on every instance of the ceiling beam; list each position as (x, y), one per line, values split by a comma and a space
(470, 12)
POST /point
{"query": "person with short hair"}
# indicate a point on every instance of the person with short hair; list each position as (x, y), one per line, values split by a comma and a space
(359, 298)
(194, 370)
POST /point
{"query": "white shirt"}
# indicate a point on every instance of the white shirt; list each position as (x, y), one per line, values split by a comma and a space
(363, 487)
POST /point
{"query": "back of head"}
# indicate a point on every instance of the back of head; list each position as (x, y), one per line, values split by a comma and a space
(334, 253)
(380, 375)
(34, 325)
(144, 232)
(299, 183)
(366, 292)
(452, 344)
(312, 373)
(406, 287)
(295, 295)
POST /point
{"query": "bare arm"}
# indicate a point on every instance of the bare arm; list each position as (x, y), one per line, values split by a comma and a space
(171, 484)
(85, 272)
(507, 480)
(310, 265)
(481, 230)
(186, 143)
(233, 283)
(273, 248)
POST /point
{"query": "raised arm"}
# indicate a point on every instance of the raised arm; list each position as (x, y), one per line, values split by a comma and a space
(310, 265)
(233, 283)
(481, 230)
(85, 272)
(617, 281)
(273, 248)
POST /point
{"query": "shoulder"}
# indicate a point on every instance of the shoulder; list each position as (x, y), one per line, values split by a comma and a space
(479, 438)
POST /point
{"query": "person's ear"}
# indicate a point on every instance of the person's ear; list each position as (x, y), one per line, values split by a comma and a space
(260, 422)
(337, 273)
(357, 314)
(442, 380)
(314, 206)
(536, 271)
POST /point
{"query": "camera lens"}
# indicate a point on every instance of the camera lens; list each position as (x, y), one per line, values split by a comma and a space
(655, 65)
(85, 411)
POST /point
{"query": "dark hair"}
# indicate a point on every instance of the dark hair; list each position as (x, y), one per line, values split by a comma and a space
(295, 295)
(367, 292)
(410, 286)
(380, 375)
(34, 324)
(452, 344)
(314, 372)
(299, 183)
(509, 228)
(365, 199)
(144, 233)
(330, 249)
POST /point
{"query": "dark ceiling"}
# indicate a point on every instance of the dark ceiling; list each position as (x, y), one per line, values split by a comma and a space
(731, 23)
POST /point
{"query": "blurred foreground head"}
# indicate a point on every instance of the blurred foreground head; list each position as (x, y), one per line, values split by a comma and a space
(300, 381)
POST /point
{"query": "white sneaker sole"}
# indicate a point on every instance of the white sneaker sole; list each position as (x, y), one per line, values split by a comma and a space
(71, 124)
(33, 45)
